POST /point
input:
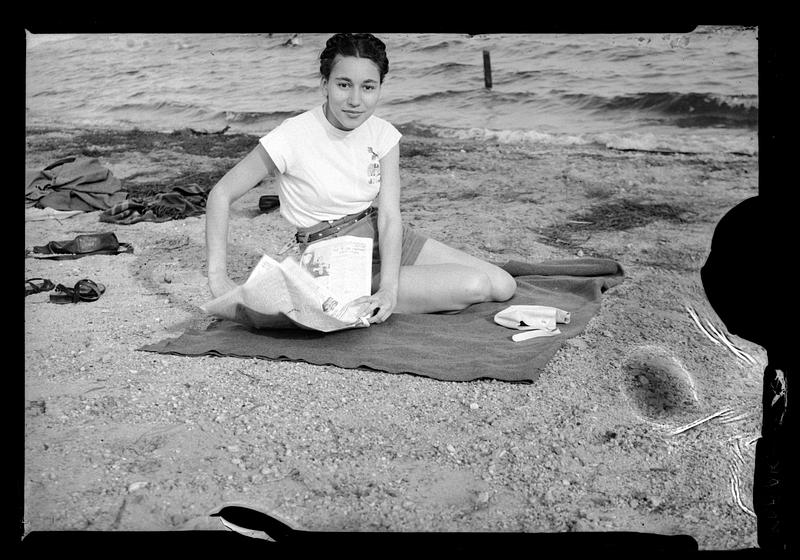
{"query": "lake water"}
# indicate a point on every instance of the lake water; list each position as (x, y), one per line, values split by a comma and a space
(685, 92)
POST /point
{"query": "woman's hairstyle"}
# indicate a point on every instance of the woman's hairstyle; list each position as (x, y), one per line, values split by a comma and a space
(362, 45)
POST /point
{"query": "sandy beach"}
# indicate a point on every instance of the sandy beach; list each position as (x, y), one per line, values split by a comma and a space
(118, 439)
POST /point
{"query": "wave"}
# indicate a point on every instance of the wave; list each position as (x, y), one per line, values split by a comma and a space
(682, 110)
(701, 110)
(469, 99)
(623, 141)
(444, 68)
(486, 134)
(431, 96)
(258, 117)
(439, 45)
(177, 108)
(156, 108)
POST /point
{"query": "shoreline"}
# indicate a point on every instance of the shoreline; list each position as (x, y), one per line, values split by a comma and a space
(118, 439)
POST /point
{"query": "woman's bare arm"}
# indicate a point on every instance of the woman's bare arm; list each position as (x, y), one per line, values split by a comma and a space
(245, 175)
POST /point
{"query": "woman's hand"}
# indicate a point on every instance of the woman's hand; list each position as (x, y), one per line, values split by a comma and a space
(379, 306)
(220, 285)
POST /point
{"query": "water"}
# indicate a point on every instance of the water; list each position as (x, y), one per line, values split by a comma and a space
(686, 92)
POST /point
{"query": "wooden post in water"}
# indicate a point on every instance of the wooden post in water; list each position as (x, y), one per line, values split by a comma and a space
(487, 69)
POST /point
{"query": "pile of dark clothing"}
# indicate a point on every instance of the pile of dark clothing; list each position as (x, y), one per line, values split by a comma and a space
(82, 183)
(73, 183)
(181, 202)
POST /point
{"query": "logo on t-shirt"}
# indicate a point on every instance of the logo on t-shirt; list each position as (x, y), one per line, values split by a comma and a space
(374, 168)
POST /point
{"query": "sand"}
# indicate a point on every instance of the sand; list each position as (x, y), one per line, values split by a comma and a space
(117, 439)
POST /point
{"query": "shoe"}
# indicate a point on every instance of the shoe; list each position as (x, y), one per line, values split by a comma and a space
(84, 290)
(36, 285)
(83, 245)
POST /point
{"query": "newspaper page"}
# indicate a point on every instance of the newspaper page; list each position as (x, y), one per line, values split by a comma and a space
(341, 266)
(314, 293)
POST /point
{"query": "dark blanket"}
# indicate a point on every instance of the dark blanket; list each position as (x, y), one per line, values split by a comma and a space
(451, 347)
(73, 183)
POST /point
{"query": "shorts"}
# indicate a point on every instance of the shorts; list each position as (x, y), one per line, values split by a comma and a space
(368, 227)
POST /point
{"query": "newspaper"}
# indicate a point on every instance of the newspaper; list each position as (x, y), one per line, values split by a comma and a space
(313, 293)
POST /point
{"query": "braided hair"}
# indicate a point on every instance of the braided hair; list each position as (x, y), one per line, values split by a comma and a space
(361, 45)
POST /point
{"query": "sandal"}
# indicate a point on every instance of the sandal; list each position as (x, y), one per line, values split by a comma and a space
(36, 285)
(84, 290)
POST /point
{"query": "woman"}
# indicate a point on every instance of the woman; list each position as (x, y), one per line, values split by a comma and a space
(338, 171)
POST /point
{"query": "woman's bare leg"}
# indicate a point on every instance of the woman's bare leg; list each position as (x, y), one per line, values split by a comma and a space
(446, 279)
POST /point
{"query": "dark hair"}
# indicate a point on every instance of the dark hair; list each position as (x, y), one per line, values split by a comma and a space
(362, 45)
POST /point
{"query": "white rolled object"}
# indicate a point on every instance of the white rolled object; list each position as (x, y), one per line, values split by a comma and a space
(531, 317)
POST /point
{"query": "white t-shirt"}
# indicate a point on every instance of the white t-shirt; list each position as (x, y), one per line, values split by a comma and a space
(327, 173)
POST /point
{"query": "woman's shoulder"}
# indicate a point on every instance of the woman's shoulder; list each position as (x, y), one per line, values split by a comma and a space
(302, 120)
(379, 122)
(300, 123)
(381, 127)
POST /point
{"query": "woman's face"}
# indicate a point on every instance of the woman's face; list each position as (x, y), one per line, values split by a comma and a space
(352, 90)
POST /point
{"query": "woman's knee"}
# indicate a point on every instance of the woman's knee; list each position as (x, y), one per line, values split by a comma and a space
(476, 287)
(503, 285)
(480, 286)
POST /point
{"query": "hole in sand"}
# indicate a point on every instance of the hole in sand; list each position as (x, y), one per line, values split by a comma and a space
(657, 385)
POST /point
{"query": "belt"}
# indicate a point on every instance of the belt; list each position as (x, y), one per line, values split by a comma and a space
(331, 227)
